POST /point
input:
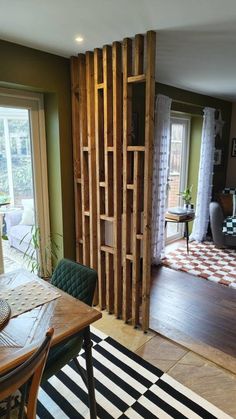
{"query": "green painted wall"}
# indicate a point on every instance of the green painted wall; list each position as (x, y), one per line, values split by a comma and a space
(194, 155)
(27, 68)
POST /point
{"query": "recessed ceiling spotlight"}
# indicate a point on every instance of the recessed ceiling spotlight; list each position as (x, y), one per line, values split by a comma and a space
(79, 39)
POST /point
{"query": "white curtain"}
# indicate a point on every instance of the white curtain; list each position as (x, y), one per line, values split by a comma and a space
(160, 175)
(205, 176)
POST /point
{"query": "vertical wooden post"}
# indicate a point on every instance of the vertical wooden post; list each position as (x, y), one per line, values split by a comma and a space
(76, 155)
(127, 169)
(117, 142)
(92, 158)
(99, 139)
(84, 158)
(148, 166)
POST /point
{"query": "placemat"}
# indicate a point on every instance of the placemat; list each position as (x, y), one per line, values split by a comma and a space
(27, 296)
(5, 312)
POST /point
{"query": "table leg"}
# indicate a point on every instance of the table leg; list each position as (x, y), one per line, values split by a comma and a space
(187, 235)
(89, 367)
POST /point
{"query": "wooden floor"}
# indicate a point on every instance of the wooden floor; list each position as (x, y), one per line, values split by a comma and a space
(190, 309)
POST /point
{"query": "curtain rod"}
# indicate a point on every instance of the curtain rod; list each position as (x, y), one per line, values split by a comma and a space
(188, 103)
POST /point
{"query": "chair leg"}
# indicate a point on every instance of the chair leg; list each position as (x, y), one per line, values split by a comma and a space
(89, 367)
(81, 371)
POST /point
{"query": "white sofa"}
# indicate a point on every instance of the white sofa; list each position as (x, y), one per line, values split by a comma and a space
(19, 227)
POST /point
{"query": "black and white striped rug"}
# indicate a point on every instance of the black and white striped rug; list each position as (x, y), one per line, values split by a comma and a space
(126, 387)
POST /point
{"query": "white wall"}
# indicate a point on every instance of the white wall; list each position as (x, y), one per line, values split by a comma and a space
(231, 171)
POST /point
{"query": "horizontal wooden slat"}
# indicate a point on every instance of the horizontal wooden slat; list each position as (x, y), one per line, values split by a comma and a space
(87, 213)
(129, 256)
(102, 184)
(139, 236)
(106, 217)
(100, 85)
(110, 148)
(137, 79)
(130, 186)
(136, 148)
(107, 249)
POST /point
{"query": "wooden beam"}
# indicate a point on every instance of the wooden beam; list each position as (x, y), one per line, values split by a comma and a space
(127, 169)
(92, 158)
(99, 140)
(148, 166)
(76, 155)
(83, 157)
(108, 134)
(117, 141)
(138, 54)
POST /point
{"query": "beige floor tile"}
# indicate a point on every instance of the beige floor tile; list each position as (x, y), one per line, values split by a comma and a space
(125, 334)
(161, 352)
(215, 384)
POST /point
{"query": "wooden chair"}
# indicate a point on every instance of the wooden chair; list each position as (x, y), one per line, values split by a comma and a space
(30, 372)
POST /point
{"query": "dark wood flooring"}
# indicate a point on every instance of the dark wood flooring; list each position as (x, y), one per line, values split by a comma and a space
(193, 307)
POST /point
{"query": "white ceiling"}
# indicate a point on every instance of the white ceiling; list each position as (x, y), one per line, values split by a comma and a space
(196, 42)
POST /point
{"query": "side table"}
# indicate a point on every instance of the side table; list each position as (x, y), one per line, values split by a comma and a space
(190, 217)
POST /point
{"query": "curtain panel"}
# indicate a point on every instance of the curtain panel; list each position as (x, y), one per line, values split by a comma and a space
(205, 176)
(160, 175)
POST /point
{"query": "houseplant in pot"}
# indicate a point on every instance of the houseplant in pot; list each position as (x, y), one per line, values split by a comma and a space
(187, 198)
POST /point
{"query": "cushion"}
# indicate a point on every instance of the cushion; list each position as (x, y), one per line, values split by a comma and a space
(28, 203)
(28, 217)
(226, 203)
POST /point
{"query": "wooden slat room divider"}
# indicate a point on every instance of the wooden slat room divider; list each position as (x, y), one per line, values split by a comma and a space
(113, 173)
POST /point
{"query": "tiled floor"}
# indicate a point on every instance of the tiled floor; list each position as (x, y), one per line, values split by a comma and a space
(210, 381)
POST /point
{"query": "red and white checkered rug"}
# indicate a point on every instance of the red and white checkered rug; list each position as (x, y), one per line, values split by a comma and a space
(206, 261)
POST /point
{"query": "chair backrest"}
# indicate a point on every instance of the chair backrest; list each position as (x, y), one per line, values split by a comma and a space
(30, 369)
(75, 279)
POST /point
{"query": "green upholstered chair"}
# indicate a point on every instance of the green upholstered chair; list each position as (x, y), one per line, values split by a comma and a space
(80, 282)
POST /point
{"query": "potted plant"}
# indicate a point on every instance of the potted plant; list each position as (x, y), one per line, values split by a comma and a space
(187, 198)
(49, 255)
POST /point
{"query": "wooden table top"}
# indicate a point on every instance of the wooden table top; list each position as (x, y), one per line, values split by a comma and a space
(22, 334)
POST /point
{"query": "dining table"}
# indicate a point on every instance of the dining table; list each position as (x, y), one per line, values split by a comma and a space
(37, 305)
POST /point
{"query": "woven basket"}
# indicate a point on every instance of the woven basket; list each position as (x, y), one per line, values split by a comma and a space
(5, 312)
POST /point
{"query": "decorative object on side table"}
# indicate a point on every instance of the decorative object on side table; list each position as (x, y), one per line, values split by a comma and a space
(187, 198)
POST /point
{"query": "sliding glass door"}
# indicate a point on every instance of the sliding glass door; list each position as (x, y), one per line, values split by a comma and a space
(24, 208)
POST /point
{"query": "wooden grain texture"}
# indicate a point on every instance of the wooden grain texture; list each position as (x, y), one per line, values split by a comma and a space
(84, 158)
(100, 173)
(117, 142)
(92, 159)
(138, 55)
(23, 333)
(148, 165)
(137, 211)
(108, 128)
(76, 154)
(193, 309)
(127, 139)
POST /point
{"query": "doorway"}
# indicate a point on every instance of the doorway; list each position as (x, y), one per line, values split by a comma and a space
(24, 209)
(178, 170)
